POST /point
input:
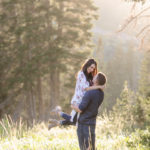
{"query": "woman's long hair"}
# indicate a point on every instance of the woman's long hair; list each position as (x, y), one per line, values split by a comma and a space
(88, 63)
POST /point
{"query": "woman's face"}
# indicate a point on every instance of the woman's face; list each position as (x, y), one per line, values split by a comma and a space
(91, 68)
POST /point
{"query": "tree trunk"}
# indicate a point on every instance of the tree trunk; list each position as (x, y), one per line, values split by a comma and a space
(54, 88)
(40, 99)
(30, 104)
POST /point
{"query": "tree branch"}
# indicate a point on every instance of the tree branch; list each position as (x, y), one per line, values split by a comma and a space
(143, 39)
(132, 18)
(143, 29)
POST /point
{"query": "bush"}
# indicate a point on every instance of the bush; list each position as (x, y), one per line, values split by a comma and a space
(139, 139)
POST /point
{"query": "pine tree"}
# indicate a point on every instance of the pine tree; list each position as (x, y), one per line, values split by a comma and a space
(40, 42)
(130, 110)
(144, 83)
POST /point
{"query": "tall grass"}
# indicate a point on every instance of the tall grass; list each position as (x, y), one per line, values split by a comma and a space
(9, 129)
(109, 136)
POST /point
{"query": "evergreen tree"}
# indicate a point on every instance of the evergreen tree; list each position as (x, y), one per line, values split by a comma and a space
(131, 110)
(144, 83)
(40, 42)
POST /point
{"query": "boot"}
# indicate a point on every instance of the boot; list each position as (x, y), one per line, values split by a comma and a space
(56, 111)
(53, 123)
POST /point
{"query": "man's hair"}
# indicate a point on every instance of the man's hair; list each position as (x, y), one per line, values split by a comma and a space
(101, 78)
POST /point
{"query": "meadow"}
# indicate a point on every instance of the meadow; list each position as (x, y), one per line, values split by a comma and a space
(16, 136)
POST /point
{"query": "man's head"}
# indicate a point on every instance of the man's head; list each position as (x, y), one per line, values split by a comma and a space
(99, 79)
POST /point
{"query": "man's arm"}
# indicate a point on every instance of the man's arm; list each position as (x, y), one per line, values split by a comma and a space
(76, 108)
(84, 103)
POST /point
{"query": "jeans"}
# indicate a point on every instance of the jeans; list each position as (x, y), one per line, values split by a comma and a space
(67, 118)
(86, 136)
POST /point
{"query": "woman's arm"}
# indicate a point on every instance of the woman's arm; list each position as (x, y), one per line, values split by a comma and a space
(102, 87)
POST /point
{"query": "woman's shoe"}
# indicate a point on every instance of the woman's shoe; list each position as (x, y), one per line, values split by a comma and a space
(53, 123)
(56, 111)
(51, 126)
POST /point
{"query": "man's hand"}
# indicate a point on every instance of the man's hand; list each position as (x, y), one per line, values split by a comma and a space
(73, 104)
(76, 108)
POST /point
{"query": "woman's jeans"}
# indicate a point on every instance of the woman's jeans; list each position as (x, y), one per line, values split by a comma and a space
(67, 119)
(86, 136)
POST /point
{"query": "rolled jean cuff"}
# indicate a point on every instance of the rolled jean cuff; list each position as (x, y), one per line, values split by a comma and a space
(61, 114)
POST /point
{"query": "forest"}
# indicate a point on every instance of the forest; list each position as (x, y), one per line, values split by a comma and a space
(43, 44)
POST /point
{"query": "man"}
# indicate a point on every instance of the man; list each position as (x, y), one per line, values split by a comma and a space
(88, 110)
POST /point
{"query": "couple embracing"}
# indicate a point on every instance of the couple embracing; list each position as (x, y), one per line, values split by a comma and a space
(87, 98)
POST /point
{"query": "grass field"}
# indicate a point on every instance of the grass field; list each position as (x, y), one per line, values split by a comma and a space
(18, 137)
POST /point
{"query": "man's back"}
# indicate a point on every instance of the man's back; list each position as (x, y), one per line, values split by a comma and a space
(89, 106)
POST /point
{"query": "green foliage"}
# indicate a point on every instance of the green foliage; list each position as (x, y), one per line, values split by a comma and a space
(120, 63)
(40, 138)
(144, 83)
(131, 110)
(139, 139)
(10, 129)
(41, 40)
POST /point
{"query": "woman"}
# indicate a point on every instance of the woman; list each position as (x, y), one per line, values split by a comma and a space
(83, 83)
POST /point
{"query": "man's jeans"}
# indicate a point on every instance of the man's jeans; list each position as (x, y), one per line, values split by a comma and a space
(67, 119)
(86, 136)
